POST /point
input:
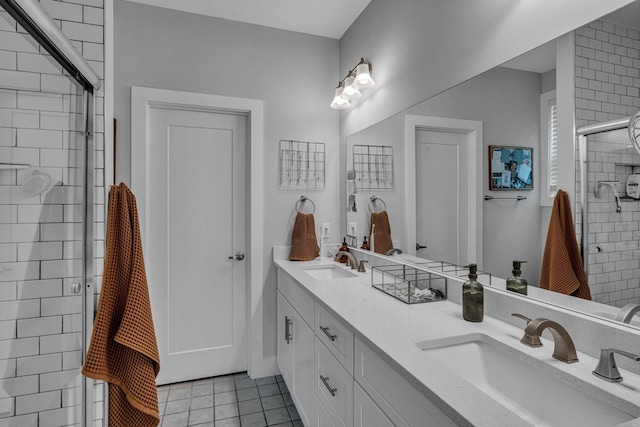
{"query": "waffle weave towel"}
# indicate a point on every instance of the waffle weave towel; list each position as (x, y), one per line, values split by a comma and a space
(123, 349)
(304, 244)
(382, 237)
(562, 268)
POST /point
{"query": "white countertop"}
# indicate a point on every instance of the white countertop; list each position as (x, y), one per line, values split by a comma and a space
(393, 328)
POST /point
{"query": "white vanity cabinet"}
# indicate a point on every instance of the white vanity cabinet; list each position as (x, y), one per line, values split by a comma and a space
(296, 347)
(335, 379)
(398, 400)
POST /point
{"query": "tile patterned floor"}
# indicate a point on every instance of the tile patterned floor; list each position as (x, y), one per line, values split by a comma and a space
(228, 401)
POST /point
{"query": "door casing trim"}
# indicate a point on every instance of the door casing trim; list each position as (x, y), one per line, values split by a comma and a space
(142, 99)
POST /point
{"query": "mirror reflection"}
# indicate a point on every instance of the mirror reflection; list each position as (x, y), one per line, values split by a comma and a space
(442, 167)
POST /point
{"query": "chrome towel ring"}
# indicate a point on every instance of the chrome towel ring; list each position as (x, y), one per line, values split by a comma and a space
(301, 202)
(372, 204)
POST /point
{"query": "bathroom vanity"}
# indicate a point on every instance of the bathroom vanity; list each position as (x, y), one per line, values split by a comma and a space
(354, 356)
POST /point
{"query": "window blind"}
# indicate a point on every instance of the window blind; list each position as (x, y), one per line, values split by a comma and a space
(552, 128)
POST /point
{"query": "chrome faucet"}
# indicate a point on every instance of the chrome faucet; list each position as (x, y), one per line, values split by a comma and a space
(607, 369)
(627, 312)
(351, 259)
(564, 349)
(393, 251)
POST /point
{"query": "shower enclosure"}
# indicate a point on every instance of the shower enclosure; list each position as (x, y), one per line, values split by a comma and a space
(46, 222)
(609, 212)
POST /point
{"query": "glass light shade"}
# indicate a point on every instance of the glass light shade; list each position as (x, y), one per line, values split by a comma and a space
(339, 103)
(363, 78)
(349, 91)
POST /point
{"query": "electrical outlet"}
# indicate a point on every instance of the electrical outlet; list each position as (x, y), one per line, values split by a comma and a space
(326, 229)
(353, 228)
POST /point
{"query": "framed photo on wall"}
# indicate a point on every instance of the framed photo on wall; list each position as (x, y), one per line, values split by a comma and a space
(510, 168)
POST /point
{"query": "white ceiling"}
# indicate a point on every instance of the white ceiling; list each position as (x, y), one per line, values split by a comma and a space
(327, 18)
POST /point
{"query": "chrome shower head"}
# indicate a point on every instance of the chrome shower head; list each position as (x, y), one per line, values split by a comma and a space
(36, 184)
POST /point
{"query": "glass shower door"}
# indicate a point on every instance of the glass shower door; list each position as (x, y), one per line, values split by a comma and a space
(613, 218)
(45, 238)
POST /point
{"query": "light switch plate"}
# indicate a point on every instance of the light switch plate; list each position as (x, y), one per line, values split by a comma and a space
(326, 229)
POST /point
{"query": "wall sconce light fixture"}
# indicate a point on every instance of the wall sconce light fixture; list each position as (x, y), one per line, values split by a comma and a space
(358, 78)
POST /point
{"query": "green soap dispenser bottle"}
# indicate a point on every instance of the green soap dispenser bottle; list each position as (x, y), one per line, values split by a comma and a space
(472, 297)
(516, 283)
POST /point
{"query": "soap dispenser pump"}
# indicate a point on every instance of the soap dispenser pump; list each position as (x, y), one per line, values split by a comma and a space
(472, 297)
(344, 248)
(365, 245)
(516, 283)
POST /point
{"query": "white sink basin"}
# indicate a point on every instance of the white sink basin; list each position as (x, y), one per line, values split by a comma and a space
(513, 380)
(328, 272)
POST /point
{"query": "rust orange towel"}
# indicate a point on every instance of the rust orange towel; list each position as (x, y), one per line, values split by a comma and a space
(382, 235)
(304, 244)
(562, 268)
(123, 349)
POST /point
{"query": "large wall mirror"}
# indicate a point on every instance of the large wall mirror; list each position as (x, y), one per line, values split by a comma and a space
(431, 169)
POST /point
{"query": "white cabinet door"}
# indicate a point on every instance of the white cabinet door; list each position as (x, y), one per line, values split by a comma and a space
(295, 357)
(303, 369)
(322, 417)
(285, 342)
(366, 413)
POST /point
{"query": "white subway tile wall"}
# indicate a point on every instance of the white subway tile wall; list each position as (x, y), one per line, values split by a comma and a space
(607, 88)
(40, 235)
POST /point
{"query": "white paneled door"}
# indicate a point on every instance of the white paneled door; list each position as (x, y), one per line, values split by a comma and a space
(195, 228)
(441, 195)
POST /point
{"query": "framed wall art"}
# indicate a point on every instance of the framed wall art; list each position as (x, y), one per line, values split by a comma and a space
(510, 168)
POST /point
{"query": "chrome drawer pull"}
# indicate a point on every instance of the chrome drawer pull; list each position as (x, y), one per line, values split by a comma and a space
(327, 333)
(288, 336)
(326, 383)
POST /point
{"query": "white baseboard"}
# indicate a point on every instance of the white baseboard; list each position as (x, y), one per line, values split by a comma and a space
(268, 367)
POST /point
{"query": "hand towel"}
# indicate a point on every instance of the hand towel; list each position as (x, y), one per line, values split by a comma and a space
(562, 268)
(304, 244)
(382, 233)
(123, 349)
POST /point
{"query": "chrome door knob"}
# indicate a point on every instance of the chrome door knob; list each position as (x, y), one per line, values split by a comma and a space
(76, 288)
(239, 256)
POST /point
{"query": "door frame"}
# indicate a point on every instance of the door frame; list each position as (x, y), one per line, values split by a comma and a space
(143, 99)
(473, 130)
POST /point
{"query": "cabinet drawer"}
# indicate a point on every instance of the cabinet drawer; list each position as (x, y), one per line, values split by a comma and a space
(298, 297)
(400, 401)
(322, 418)
(333, 385)
(337, 338)
(366, 413)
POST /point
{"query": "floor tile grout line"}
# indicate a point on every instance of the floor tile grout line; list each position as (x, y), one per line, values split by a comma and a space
(275, 381)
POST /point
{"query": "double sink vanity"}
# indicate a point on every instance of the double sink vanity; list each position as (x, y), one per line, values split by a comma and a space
(354, 356)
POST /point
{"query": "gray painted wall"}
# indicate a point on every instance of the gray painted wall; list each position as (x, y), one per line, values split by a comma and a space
(293, 73)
